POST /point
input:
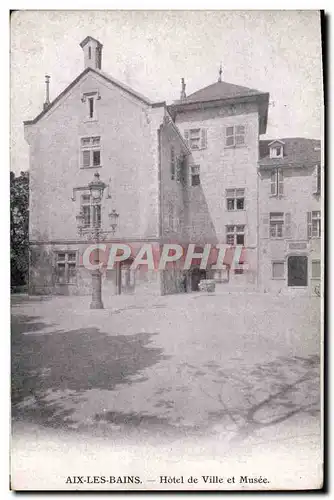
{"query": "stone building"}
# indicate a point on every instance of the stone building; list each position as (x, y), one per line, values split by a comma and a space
(290, 214)
(190, 172)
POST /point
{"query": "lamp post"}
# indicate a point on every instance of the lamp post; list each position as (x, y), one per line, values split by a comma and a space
(96, 188)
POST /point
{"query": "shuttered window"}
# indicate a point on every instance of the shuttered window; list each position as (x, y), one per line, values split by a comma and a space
(276, 182)
(235, 136)
(314, 224)
(196, 138)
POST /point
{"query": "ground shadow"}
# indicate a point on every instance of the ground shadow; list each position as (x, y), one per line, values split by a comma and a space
(70, 362)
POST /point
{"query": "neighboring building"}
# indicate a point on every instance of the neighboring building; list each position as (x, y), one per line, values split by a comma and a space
(186, 173)
(290, 214)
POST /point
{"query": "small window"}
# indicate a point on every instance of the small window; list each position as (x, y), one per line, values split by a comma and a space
(89, 52)
(91, 107)
(91, 152)
(195, 175)
(276, 224)
(235, 199)
(235, 235)
(235, 136)
(316, 269)
(65, 267)
(278, 270)
(196, 138)
(276, 152)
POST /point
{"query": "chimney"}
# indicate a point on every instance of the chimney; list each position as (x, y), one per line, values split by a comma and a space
(183, 90)
(47, 92)
(92, 49)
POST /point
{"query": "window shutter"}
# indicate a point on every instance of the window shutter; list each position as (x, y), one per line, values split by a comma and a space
(309, 225)
(186, 136)
(288, 225)
(86, 158)
(280, 181)
(265, 226)
(315, 180)
(203, 138)
(273, 183)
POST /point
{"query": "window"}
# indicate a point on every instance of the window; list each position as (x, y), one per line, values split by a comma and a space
(91, 107)
(276, 184)
(172, 163)
(235, 136)
(277, 270)
(195, 175)
(235, 199)
(235, 235)
(91, 212)
(66, 263)
(316, 269)
(90, 152)
(89, 52)
(314, 224)
(276, 224)
(90, 98)
(196, 138)
(276, 152)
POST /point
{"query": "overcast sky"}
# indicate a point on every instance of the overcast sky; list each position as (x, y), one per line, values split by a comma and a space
(273, 51)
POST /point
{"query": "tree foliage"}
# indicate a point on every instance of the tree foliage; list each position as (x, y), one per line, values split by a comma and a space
(19, 228)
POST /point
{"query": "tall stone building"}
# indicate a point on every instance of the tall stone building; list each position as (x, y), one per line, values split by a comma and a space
(185, 173)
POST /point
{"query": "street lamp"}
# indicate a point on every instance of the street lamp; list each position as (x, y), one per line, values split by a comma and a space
(96, 188)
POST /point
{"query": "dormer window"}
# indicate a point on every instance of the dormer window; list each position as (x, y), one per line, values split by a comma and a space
(276, 149)
(277, 152)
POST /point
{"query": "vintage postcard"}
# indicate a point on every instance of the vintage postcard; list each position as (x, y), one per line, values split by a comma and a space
(166, 193)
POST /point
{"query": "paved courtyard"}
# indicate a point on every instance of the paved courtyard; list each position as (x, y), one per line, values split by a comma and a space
(207, 375)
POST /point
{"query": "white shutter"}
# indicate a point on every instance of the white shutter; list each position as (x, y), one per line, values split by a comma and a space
(203, 138)
(288, 225)
(265, 226)
(309, 225)
(273, 183)
(86, 158)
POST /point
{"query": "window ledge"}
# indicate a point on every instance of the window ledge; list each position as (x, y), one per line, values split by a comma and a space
(237, 210)
(87, 168)
(278, 279)
(236, 146)
(91, 120)
(62, 284)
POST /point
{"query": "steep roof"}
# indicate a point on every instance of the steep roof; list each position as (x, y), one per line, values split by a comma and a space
(220, 90)
(108, 78)
(297, 151)
(220, 94)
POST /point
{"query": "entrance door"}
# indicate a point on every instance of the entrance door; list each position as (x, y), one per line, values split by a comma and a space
(297, 270)
(196, 276)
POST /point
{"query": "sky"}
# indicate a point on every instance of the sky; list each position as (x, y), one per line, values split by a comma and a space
(273, 51)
